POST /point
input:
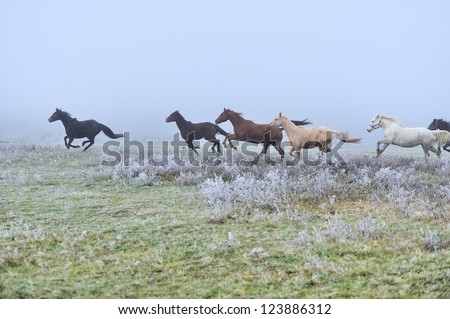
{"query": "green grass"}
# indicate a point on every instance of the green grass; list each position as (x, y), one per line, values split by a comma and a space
(69, 233)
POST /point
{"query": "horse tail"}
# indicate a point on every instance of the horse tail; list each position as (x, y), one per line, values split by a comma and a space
(343, 136)
(221, 131)
(442, 137)
(108, 132)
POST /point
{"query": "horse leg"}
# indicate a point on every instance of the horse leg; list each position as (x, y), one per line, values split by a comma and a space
(70, 143)
(225, 141)
(217, 143)
(425, 151)
(299, 153)
(328, 153)
(91, 142)
(228, 138)
(191, 146)
(385, 145)
(280, 149)
(446, 147)
(291, 152)
(65, 142)
(434, 150)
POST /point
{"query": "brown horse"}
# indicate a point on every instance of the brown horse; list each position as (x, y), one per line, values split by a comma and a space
(196, 131)
(248, 131)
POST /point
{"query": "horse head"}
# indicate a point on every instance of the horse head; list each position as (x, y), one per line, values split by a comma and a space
(375, 123)
(433, 125)
(224, 116)
(55, 116)
(173, 117)
(276, 121)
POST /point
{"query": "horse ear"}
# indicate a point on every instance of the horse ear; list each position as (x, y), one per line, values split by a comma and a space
(224, 109)
(280, 114)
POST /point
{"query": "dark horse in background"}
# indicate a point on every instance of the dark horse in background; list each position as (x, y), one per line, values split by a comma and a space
(196, 131)
(440, 124)
(248, 131)
(80, 129)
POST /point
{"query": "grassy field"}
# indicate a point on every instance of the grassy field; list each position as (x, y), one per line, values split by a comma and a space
(73, 228)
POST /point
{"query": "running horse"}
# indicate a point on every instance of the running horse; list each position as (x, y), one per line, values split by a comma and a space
(303, 137)
(396, 133)
(79, 129)
(248, 131)
(440, 124)
(196, 131)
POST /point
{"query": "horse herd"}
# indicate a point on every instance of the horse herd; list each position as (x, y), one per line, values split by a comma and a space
(431, 139)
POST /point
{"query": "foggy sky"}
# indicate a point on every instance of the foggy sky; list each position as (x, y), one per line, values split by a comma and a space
(129, 64)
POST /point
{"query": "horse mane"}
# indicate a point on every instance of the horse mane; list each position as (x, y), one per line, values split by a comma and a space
(391, 118)
(442, 121)
(234, 112)
(286, 118)
(63, 112)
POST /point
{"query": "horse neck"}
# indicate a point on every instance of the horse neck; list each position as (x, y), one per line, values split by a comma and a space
(288, 126)
(180, 120)
(385, 123)
(235, 118)
(66, 119)
(442, 125)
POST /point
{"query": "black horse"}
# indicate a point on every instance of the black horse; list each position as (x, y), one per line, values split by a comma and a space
(440, 124)
(80, 129)
(196, 131)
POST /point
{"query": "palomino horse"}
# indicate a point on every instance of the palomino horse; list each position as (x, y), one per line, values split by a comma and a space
(248, 131)
(196, 131)
(440, 124)
(80, 129)
(303, 137)
(397, 134)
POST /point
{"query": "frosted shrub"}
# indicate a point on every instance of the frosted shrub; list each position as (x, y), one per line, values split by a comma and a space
(389, 178)
(18, 179)
(145, 179)
(21, 230)
(307, 238)
(38, 178)
(339, 229)
(370, 228)
(443, 193)
(361, 179)
(432, 240)
(402, 200)
(257, 252)
(216, 194)
(190, 178)
(134, 175)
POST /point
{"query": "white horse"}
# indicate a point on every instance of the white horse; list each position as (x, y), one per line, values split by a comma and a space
(305, 137)
(396, 133)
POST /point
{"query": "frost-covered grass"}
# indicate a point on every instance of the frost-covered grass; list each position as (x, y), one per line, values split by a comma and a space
(73, 228)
